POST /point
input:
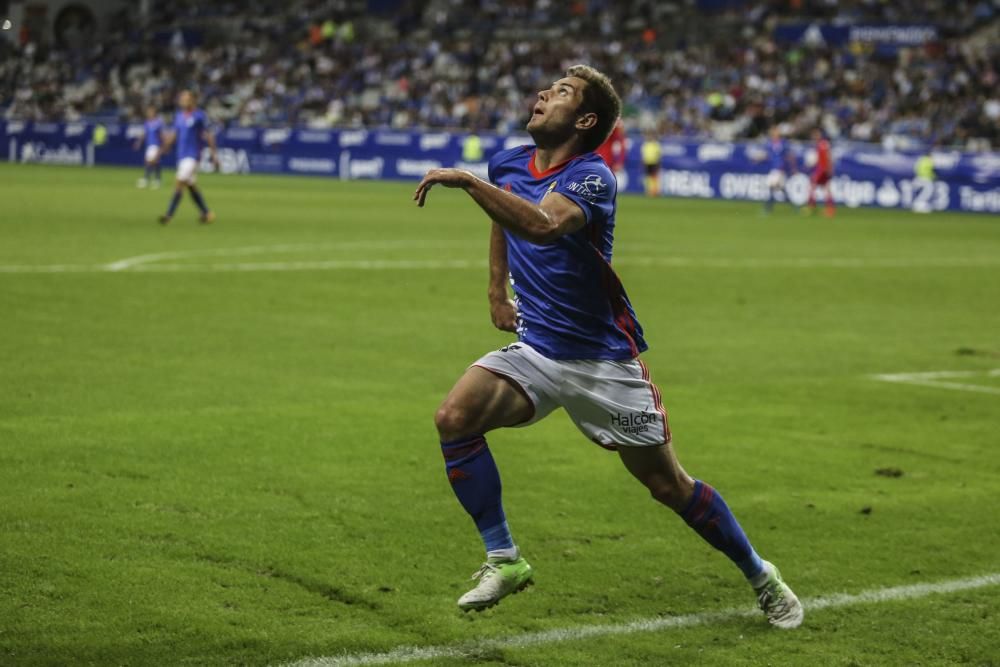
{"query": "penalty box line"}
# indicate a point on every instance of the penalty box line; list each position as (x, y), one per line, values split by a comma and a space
(404, 654)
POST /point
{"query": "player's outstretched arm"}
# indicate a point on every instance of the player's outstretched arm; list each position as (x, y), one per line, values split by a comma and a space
(539, 223)
(503, 312)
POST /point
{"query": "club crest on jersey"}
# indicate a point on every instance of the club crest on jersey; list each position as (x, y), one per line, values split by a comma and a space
(591, 187)
(552, 186)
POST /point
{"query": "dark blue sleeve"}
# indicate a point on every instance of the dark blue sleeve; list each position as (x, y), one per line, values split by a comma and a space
(592, 187)
(494, 162)
(489, 169)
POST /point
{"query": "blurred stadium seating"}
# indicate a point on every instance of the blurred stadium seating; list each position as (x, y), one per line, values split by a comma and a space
(695, 68)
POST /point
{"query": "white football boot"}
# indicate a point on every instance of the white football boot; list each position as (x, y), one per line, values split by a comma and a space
(778, 602)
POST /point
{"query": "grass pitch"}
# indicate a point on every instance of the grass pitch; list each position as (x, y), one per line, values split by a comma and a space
(216, 443)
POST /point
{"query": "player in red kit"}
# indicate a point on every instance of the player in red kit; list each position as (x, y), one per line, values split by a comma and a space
(821, 176)
(612, 151)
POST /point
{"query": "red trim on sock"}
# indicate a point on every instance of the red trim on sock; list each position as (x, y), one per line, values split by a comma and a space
(464, 450)
(701, 507)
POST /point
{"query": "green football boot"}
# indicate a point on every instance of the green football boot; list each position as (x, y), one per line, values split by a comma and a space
(497, 579)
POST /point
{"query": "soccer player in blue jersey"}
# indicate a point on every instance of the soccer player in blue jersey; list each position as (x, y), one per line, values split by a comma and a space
(553, 213)
(782, 163)
(150, 140)
(190, 133)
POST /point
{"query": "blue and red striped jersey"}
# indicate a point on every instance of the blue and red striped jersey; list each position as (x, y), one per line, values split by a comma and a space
(570, 302)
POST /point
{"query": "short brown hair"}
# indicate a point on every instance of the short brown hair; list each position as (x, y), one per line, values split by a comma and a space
(600, 98)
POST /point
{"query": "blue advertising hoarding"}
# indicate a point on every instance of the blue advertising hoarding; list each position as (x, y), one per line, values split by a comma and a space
(865, 175)
(885, 39)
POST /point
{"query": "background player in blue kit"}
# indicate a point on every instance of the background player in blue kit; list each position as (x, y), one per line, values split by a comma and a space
(553, 212)
(151, 140)
(782, 163)
(191, 134)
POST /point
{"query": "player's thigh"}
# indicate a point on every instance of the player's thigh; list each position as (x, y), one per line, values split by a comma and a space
(617, 405)
(614, 403)
(187, 170)
(479, 402)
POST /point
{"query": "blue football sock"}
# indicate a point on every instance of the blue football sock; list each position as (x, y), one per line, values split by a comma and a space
(174, 201)
(156, 170)
(146, 174)
(708, 514)
(476, 481)
(198, 199)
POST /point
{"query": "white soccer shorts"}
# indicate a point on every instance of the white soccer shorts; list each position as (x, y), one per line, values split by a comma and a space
(611, 402)
(152, 152)
(187, 170)
(776, 178)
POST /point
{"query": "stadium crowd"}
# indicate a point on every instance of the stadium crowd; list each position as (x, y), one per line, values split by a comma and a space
(688, 68)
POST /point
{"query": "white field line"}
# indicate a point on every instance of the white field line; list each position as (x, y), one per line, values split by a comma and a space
(405, 654)
(811, 262)
(942, 380)
(130, 262)
(153, 262)
(317, 265)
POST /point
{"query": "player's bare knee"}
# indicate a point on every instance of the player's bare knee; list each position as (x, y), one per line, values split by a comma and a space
(671, 495)
(453, 421)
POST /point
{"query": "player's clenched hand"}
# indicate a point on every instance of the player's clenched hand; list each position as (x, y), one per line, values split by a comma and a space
(450, 178)
(504, 315)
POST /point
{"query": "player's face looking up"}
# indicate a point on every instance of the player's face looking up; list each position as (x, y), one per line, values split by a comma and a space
(556, 116)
